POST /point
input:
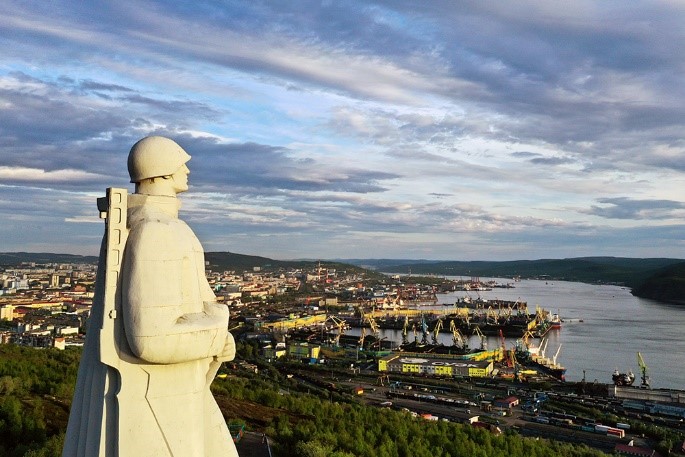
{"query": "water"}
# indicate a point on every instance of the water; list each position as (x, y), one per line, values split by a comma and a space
(615, 326)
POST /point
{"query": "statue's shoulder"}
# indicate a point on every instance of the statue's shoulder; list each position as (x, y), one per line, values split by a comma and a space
(154, 230)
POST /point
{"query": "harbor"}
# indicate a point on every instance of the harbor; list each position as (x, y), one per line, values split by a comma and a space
(602, 328)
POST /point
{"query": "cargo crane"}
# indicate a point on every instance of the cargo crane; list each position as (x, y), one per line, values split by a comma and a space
(554, 359)
(503, 345)
(643, 370)
(424, 330)
(491, 316)
(457, 338)
(374, 327)
(542, 348)
(404, 330)
(483, 339)
(341, 325)
(361, 339)
(436, 331)
(526, 338)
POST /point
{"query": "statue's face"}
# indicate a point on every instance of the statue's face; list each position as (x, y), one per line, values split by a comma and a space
(180, 179)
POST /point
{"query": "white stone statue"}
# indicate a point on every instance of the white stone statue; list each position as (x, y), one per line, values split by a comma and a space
(156, 335)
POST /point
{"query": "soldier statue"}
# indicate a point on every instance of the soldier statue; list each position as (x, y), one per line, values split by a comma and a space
(156, 336)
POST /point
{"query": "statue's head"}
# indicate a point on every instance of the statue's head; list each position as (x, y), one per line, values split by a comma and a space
(156, 161)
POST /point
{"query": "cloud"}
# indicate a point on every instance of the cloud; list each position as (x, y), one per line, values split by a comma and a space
(251, 168)
(444, 130)
(627, 208)
(552, 160)
(14, 175)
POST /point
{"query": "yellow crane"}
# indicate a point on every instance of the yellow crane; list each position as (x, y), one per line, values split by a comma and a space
(457, 338)
(361, 338)
(526, 338)
(436, 331)
(643, 370)
(405, 329)
(341, 325)
(374, 327)
(483, 339)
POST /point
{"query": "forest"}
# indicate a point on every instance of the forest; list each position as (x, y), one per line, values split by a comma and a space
(36, 386)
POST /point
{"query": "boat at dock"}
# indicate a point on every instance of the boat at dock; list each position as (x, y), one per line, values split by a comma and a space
(623, 379)
(555, 322)
(534, 356)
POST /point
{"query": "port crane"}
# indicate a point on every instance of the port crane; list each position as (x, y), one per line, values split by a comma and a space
(526, 338)
(374, 327)
(436, 331)
(340, 324)
(556, 354)
(483, 339)
(361, 339)
(491, 316)
(542, 348)
(424, 330)
(404, 330)
(457, 338)
(643, 370)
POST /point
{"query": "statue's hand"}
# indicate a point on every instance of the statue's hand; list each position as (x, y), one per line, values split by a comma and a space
(215, 309)
(228, 352)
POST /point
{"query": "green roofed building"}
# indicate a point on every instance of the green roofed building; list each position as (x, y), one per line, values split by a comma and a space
(304, 352)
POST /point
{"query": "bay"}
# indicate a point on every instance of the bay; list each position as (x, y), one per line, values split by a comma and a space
(604, 327)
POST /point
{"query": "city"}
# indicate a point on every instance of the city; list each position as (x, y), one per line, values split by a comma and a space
(298, 321)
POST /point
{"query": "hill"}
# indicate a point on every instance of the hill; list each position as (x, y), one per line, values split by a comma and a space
(666, 285)
(600, 270)
(16, 258)
(661, 279)
(221, 261)
(216, 261)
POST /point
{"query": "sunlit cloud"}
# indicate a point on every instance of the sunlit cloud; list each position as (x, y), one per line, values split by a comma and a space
(457, 130)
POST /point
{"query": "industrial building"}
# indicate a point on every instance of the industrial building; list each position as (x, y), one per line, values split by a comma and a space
(425, 364)
(304, 352)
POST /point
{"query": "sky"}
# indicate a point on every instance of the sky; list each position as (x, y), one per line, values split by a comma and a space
(470, 130)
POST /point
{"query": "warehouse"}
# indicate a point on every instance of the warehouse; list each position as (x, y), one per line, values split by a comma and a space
(399, 363)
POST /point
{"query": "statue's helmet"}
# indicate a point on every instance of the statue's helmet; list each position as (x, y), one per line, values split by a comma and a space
(155, 156)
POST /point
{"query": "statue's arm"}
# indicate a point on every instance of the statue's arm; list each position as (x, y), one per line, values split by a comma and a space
(157, 288)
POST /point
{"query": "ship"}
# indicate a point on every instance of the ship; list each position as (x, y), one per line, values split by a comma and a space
(623, 379)
(553, 369)
(555, 322)
(534, 356)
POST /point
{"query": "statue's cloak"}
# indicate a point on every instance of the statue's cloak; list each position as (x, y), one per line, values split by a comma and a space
(143, 381)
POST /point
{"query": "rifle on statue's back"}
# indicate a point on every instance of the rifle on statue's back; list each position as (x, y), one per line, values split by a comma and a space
(113, 209)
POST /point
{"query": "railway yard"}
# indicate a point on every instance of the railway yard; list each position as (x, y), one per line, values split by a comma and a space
(503, 390)
(577, 413)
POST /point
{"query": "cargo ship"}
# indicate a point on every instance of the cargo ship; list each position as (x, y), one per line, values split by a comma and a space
(534, 356)
(623, 379)
(555, 322)
(553, 369)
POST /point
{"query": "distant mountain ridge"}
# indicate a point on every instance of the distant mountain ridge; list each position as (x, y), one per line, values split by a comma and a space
(16, 258)
(661, 279)
(666, 285)
(623, 270)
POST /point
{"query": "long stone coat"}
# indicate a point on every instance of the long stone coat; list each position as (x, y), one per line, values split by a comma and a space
(143, 382)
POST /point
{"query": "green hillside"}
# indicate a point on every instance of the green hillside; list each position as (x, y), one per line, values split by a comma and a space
(667, 285)
(16, 258)
(660, 279)
(223, 261)
(613, 270)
